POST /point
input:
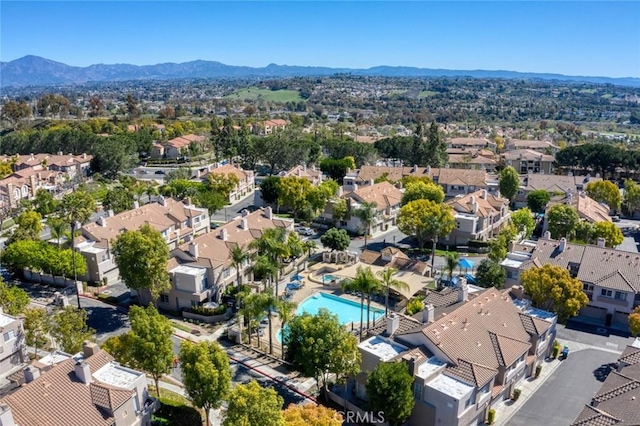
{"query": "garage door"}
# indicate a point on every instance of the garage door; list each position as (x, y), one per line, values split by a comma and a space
(594, 312)
(621, 319)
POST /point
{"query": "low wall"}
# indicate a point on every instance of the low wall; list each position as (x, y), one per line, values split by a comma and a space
(209, 319)
(46, 279)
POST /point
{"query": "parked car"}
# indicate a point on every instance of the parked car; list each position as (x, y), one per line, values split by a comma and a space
(159, 172)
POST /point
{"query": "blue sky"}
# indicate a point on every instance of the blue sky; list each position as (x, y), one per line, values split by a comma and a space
(576, 37)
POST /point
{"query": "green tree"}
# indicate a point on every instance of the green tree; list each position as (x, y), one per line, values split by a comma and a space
(365, 282)
(36, 327)
(15, 111)
(31, 223)
(387, 282)
(293, 193)
(509, 182)
(239, 256)
(562, 220)
(286, 310)
(270, 189)
(58, 228)
(537, 200)
(452, 261)
(605, 191)
(610, 232)
(311, 415)
(499, 246)
(114, 155)
(367, 213)
(584, 232)
(552, 288)
(254, 405)
(631, 196)
(523, 221)
(152, 348)
(634, 322)
(13, 299)
(223, 183)
(423, 191)
(335, 239)
(490, 274)
(273, 244)
(205, 373)
(252, 310)
(318, 346)
(118, 200)
(121, 349)
(340, 210)
(142, 257)
(426, 220)
(69, 329)
(44, 202)
(390, 390)
(335, 168)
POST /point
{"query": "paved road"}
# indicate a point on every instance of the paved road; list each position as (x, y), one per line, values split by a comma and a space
(561, 398)
(229, 212)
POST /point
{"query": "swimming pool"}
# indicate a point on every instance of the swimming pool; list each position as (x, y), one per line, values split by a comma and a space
(347, 310)
(327, 278)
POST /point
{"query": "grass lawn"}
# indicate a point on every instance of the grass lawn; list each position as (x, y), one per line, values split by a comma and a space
(607, 96)
(426, 94)
(181, 326)
(253, 93)
(284, 215)
(97, 190)
(175, 410)
(8, 224)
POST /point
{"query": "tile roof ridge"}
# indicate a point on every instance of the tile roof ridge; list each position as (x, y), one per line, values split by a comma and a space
(618, 390)
(598, 413)
(511, 338)
(496, 347)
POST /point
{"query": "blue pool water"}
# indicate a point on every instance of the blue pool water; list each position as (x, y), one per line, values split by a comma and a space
(327, 278)
(347, 310)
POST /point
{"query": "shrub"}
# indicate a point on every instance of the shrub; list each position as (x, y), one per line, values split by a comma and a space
(200, 310)
(414, 306)
(516, 394)
(491, 417)
(538, 370)
(556, 350)
(173, 413)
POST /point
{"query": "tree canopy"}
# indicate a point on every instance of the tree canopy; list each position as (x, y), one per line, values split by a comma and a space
(523, 221)
(605, 191)
(311, 415)
(509, 182)
(13, 299)
(552, 288)
(634, 322)
(425, 220)
(390, 390)
(254, 405)
(537, 200)
(69, 329)
(335, 239)
(423, 191)
(562, 220)
(490, 274)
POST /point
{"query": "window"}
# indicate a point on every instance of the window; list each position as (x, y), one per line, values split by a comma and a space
(467, 403)
(606, 293)
(587, 287)
(226, 273)
(203, 217)
(205, 282)
(620, 295)
(164, 298)
(9, 335)
(417, 391)
(136, 403)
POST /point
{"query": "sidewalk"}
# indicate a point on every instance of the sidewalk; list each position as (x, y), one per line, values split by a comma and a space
(506, 409)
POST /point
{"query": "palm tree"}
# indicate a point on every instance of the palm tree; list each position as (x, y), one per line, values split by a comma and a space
(453, 260)
(139, 189)
(238, 257)
(295, 247)
(387, 283)
(273, 244)
(265, 268)
(77, 208)
(367, 215)
(252, 312)
(365, 282)
(286, 311)
(58, 228)
(309, 246)
(269, 304)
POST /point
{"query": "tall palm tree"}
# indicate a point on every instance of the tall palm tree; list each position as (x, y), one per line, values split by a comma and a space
(365, 282)
(239, 255)
(265, 268)
(273, 244)
(453, 260)
(309, 246)
(58, 228)
(269, 304)
(367, 214)
(252, 312)
(139, 189)
(77, 208)
(286, 311)
(295, 247)
(387, 283)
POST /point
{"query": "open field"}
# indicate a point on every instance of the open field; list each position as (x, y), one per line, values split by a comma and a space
(253, 93)
(426, 94)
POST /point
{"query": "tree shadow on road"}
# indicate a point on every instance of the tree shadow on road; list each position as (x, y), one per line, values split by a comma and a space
(105, 320)
(603, 371)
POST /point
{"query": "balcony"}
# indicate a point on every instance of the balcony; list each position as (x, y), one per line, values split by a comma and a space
(612, 301)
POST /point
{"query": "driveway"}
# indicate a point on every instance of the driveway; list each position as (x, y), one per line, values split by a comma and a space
(561, 398)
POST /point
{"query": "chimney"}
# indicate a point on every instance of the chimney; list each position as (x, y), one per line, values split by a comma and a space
(393, 322)
(31, 156)
(102, 222)
(371, 182)
(89, 349)
(162, 201)
(83, 372)
(245, 212)
(193, 250)
(110, 213)
(411, 363)
(415, 168)
(484, 194)
(304, 167)
(224, 234)
(475, 206)
(59, 153)
(463, 290)
(517, 291)
(472, 199)
(547, 235)
(31, 373)
(428, 169)
(429, 313)
(136, 204)
(300, 172)
(340, 191)
(268, 212)
(563, 245)
(244, 224)
(187, 201)
(84, 155)
(6, 416)
(601, 242)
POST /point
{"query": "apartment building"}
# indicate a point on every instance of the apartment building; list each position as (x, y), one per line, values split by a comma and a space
(589, 210)
(470, 143)
(529, 161)
(466, 361)
(267, 127)
(13, 350)
(479, 159)
(177, 221)
(176, 147)
(555, 185)
(246, 180)
(542, 146)
(313, 175)
(88, 389)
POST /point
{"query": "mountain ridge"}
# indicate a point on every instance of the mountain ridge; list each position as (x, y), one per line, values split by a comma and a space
(33, 70)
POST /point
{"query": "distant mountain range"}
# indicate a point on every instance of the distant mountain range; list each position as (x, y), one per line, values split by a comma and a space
(34, 70)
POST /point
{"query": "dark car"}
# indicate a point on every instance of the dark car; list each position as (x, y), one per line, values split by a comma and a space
(160, 172)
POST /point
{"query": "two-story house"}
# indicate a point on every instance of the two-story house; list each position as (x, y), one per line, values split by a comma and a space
(13, 350)
(470, 143)
(555, 185)
(176, 147)
(589, 210)
(202, 269)
(177, 221)
(267, 127)
(68, 164)
(386, 198)
(529, 161)
(465, 361)
(313, 175)
(542, 146)
(480, 159)
(246, 180)
(88, 389)
(609, 277)
(478, 216)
